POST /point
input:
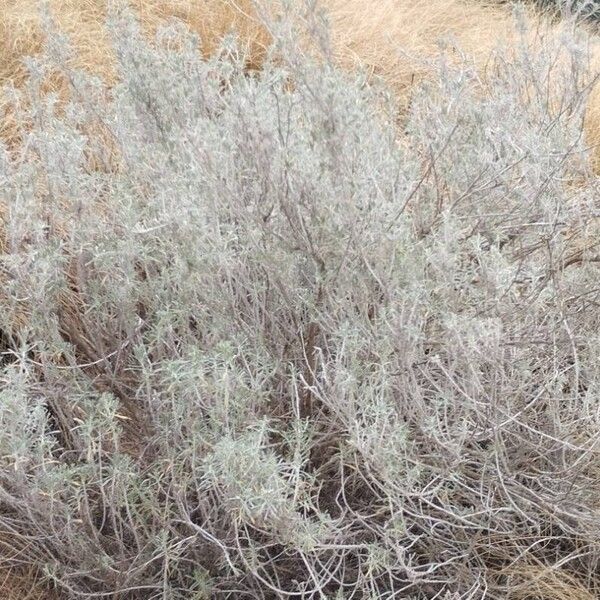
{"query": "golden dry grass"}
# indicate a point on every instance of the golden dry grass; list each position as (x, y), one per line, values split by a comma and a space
(395, 38)
(546, 583)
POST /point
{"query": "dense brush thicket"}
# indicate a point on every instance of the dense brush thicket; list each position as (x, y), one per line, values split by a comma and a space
(265, 337)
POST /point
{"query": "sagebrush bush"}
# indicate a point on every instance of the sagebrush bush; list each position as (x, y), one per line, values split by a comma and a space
(261, 339)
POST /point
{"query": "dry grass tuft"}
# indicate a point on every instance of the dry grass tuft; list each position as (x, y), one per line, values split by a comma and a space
(396, 38)
(546, 583)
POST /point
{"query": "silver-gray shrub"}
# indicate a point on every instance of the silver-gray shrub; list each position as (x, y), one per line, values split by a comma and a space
(264, 337)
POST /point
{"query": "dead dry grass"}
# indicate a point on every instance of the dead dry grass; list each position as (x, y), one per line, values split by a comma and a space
(546, 583)
(396, 38)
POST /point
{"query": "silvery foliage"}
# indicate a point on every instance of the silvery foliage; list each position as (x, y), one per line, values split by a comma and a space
(264, 344)
(579, 9)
